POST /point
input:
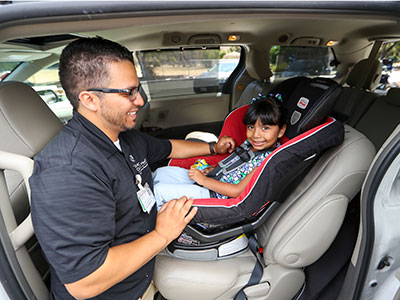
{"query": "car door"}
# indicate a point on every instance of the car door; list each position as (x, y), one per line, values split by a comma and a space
(374, 271)
(184, 88)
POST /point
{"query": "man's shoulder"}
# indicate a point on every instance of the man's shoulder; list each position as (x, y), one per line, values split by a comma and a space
(61, 148)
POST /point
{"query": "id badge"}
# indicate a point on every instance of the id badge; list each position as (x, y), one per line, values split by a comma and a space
(146, 198)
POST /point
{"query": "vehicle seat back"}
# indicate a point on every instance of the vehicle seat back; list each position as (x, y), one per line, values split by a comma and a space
(357, 96)
(381, 118)
(303, 227)
(257, 63)
(27, 124)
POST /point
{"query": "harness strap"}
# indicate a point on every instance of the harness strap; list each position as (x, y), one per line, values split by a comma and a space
(257, 272)
(241, 155)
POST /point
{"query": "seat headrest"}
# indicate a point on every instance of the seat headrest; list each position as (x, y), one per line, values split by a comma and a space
(365, 66)
(26, 123)
(308, 102)
(257, 64)
(393, 96)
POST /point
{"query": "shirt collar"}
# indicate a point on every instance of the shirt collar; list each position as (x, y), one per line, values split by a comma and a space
(92, 133)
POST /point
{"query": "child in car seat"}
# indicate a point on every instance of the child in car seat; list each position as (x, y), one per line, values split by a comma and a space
(265, 122)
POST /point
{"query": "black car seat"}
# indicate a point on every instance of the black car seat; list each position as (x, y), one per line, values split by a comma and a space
(298, 232)
(27, 125)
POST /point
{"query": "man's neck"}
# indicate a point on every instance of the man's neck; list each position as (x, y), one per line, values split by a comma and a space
(111, 133)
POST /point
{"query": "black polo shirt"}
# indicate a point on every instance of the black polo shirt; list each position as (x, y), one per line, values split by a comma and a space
(84, 201)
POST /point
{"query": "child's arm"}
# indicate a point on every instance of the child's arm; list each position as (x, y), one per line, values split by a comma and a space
(223, 188)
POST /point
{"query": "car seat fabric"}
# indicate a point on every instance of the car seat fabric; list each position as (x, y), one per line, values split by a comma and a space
(233, 127)
(256, 196)
(307, 100)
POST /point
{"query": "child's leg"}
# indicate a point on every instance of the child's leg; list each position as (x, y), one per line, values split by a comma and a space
(171, 175)
(165, 192)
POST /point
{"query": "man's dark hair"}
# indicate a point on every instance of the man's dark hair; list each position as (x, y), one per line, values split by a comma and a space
(84, 65)
(268, 110)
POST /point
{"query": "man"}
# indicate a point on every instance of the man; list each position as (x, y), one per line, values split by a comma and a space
(92, 209)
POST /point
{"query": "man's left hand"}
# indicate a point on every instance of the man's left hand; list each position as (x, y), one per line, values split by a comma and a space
(225, 144)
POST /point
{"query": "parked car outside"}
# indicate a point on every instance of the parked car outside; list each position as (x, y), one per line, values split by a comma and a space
(212, 80)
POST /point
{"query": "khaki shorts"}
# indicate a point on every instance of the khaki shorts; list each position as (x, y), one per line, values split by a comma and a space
(150, 292)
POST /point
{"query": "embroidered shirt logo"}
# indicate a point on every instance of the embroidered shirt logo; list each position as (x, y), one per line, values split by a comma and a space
(140, 166)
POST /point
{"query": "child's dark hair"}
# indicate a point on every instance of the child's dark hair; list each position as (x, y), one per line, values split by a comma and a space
(268, 110)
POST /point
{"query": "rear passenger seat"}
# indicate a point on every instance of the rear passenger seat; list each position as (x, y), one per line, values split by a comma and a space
(357, 97)
(381, 118)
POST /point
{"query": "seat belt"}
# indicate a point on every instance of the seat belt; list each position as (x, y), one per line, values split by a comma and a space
(257, 272)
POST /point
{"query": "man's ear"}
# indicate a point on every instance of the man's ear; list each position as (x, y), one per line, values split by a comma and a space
(282, 131)
(89, 100)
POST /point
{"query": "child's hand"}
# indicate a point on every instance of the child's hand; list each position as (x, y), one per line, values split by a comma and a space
(196, 175)
(207, 170)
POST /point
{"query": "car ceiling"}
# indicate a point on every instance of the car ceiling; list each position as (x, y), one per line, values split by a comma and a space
(153, 24)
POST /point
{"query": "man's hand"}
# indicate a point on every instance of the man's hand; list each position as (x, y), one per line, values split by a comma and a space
(225, 144)
(173, 217)
(196, 175)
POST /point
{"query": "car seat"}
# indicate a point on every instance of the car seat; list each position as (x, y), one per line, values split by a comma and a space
(27, 125)
(295, 235)
(307, 105)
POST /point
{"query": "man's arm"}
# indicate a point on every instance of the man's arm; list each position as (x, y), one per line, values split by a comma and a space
(185, 149)
(123, 260)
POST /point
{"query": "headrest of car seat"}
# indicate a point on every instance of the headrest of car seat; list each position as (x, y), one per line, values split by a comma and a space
(26, 123)
(365, 66)
(257, 64)
(393, 96)
(308, 102)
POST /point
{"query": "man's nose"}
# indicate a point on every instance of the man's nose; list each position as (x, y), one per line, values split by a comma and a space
(139, 101)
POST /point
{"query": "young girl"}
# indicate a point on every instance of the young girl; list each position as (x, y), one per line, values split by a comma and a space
(266, 124)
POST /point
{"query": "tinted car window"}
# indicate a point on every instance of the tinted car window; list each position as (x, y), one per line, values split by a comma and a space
(291, 61)
(182, 72)
(47, 84)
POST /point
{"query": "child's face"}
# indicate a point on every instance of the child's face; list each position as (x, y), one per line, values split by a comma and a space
(263, 136)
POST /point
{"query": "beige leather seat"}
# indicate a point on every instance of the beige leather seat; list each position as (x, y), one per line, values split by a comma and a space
(357, 96)
(26, 126)
(296, 235)
(257, 67)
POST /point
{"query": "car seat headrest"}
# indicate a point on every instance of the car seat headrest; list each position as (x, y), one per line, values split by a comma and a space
(257, 64)
(393, 96)
(365, 66)
(308, 102)
(26, 123)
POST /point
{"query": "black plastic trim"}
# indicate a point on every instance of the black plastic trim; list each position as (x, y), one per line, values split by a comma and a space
(232, 231)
